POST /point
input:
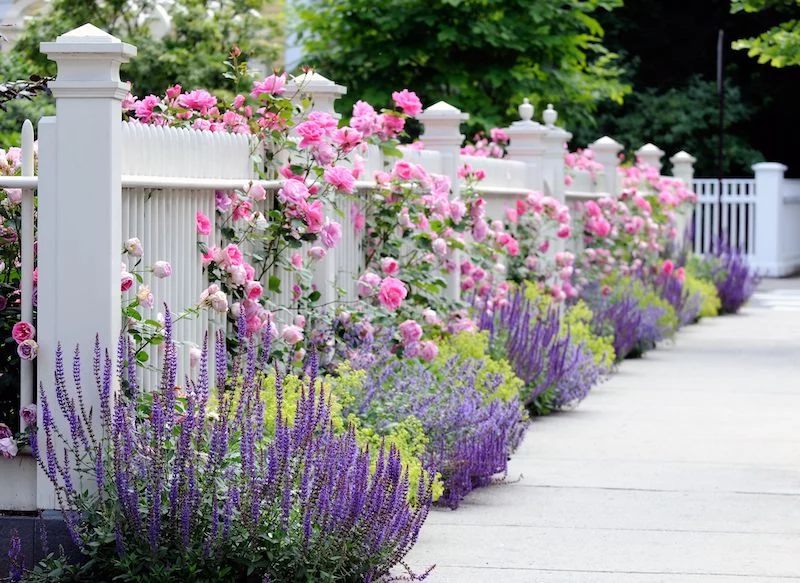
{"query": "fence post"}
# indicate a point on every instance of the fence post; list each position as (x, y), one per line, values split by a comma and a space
(442, 133)
(80, 196)
(769, 196)
(651, 155)
(554, 141)
(323, 93)
(683, 168)
(606, 152)
(527, 144)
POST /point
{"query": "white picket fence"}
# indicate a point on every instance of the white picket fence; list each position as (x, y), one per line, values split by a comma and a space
(102, 181)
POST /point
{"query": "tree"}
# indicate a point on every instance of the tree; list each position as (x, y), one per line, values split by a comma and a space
(482, 56)
(780, 45)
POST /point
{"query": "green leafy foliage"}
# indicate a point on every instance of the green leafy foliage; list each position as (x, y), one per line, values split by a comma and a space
(710, 302)
(778, 46)
(482, 56)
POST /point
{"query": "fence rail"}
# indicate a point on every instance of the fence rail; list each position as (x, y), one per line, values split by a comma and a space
(731, 216)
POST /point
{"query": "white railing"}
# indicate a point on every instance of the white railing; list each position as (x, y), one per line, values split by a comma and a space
(733, 215)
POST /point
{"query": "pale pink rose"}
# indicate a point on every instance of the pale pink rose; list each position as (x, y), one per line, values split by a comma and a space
(5, 431)
(680, 274)
(293, 191)
(126, 281)
(219, 302)
(23, 331)
(300, 321)
(257, 191)
(299, 355)
(392, 293)
(134, 247)
(253, 290)
(28, 349)
(292, 334)
(498, 135)
(430, 317)
(439, 246)
(314, 216)
(162, 269)
(145, 297)
(367, 283)
(341, 178)
(389, 125)
(238, 101)
(296, 260)
(195, 354)
(272, 85)
(198, 99)
(8, 448)
(316, 253)
(323, 153)
(403, 169)
(407, 101)
(14, 195)
(331, 234)
(203, 224)
(237, 273)
(260, 222)
(512, 216)
(410, 331)
(232, 255)
(389, 265)
(429, 350)
(347, 138)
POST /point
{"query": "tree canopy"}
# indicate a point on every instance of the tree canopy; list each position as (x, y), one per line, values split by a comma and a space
(483, 56)
(779, 45)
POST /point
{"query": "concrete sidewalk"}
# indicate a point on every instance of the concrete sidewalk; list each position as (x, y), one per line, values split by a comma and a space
(683, 468)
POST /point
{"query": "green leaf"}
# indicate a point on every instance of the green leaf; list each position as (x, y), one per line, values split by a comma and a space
(274, 284)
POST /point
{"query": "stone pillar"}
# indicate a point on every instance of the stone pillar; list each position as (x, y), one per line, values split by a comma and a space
(606, 152)
(527, 144)
(80, 194)
(683, 167)
(769, 197)
(651, 155)
(554, 141)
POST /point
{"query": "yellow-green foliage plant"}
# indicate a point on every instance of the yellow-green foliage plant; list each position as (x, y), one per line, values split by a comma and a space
(576, 321)
(710, 302)
(475, 345)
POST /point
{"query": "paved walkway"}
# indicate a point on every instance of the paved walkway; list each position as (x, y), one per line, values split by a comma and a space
(682, 468)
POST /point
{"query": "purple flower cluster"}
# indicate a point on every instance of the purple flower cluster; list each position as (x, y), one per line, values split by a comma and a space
(16, 566)
(734, 278)
(469, 439)
(193, 482)
(556, 370)
(686, 306)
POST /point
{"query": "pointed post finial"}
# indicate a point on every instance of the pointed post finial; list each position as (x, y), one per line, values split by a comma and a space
(550, 116)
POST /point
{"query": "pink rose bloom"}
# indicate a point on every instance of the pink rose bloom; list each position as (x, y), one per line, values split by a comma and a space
(253, 290)
(144, 108)
(300, 321)
(233, 255)
(367, 283)
(238, 101)
(28, 415)
(293, 191)
(242, 211)
(324, 120)
(8, 448)
(257, 191)
(314, 216)
(410, 331)
(145, 297)
(568, 180)
(430, 317)
(479, 230)
(195, 354)
(162, 269)
(563, 232)
(512, 216)
(347, 138)
(498, 135)
(126, 281)
(310, 132)
(331, 233)
(531, 262)
(203, 224)
(680, 274)
(23, 331)
(667, 267)
(272, 85)
(199, 99)
(14, 195)
(439, 246)
(296, 260)
(316, 253)
(429, 350)
(323, 153)
(601, 227)
(292, 334)
(28, 349)
(341, 178)
(407, 101)
(390, 125)
(134, 247)
(389, 265)
(222, 201)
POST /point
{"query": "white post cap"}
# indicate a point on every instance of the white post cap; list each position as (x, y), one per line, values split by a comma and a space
(607, 144)
(683, 157)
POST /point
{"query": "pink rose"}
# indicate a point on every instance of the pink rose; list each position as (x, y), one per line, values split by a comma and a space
(310, 132)
(256, 191)
(667, 267)
(439, 246)
(367, 283)
(195, 354)
(563, 232)
(430, 317)
(392, 293)
(162, 269)
(292, 334)
(296, 260)
(126, 281)
(429, 350)
(410, 331)
(317, 253)
(407, 101)
(293, 191)
(199, 99)
(23, 331)
(272, 85)
(331, 233)
(389, 265)
(28, 415)
(347, 138)
(314, 216)
(203, 224)
(300, 321)
(341, 178)
(403, 170)
(253, 290)
(233, 255)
